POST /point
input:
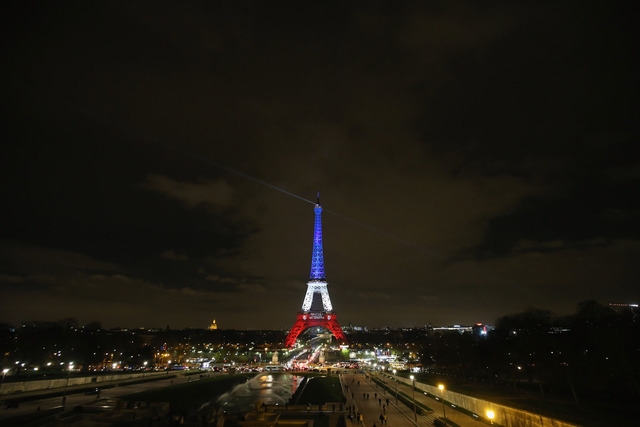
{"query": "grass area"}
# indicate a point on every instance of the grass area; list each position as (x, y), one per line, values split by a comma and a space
(188, 397)
(322, 389)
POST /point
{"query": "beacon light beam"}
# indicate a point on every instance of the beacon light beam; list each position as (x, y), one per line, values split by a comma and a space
(237, 172)
(229, 169)
(384, 233)
(282, 190)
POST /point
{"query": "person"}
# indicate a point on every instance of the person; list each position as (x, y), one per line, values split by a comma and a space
(381, 419)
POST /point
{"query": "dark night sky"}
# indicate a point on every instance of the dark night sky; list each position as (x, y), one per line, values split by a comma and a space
(473, 158)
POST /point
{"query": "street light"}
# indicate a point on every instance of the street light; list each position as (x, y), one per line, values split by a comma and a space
(396, 381)
(491, 415)
(413, 396)
(64, 393)
(444, 413)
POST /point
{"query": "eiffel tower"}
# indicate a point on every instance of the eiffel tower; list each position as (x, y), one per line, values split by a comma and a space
(311, 315)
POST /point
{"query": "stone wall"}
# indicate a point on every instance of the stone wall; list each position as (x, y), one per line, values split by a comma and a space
(504, 415)
(25, 386)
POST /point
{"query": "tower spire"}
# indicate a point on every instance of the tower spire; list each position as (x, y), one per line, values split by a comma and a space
(317, 259)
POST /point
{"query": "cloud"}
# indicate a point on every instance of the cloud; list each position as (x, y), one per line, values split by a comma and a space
(169, 254)
(219, 279)
(12, 278)
(216, 192)
(373, 296)
(19, 257)
(437, 127)
(252, 288)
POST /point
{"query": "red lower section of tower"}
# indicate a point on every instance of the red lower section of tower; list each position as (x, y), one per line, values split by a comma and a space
(308, 320)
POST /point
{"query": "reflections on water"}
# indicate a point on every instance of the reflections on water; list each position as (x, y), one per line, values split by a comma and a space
(267, 388)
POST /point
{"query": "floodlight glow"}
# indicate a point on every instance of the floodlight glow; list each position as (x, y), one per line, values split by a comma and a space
(317, 262)
(491, 415)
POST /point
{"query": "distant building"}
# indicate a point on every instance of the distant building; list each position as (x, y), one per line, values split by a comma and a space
(479, 329)
(618, 306)
(351, 328)
(622, 307)
(213, 326)
(457, 328)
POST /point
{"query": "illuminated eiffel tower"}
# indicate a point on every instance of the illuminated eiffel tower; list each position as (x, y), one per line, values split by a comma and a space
(309, 317)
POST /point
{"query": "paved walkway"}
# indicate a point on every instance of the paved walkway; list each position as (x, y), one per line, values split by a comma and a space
(368, 398)
(454, 416)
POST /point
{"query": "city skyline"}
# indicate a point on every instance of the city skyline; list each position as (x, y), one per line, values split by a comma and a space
(161, 165)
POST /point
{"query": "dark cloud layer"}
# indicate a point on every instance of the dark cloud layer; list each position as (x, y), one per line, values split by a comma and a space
(473, 160)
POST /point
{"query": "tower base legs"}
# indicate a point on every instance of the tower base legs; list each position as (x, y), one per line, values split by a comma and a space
(308, 320)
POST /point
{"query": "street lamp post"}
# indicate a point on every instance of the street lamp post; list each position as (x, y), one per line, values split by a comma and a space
(64, 393)
(396, 381)
(444, 413)
(4, 372)
(413, 396)
(491, 415)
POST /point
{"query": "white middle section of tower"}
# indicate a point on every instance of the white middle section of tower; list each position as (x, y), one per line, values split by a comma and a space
(314, 288)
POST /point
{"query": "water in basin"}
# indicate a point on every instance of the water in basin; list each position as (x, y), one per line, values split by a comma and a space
(267, 388)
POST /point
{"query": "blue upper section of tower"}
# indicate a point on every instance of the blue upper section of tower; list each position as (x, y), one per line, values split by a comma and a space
(317, 261)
